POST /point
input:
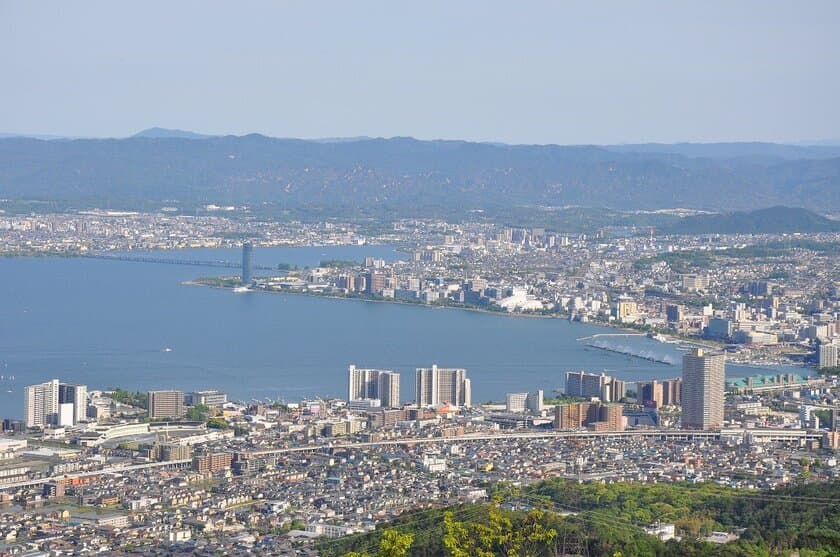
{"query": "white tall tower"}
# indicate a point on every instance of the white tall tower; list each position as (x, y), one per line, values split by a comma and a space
(40, 404)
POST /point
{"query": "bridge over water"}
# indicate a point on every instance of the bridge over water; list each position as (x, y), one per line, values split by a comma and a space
(176, 261)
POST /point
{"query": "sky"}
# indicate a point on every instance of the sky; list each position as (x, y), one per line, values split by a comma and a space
(565, 72)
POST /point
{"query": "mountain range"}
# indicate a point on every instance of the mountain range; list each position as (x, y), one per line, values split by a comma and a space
(411, 177)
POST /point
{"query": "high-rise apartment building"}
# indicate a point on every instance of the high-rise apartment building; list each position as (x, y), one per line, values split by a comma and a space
(435, 386)
(595, 415)
(572, 416)
(656, 394)
(382, 384)
(703, 387)
(388, 389)
(589, 385)
(166, 404)
(211, 463)
(672, 392)
(77, 396)
(649, 393)
(40, 404)
(829, 355)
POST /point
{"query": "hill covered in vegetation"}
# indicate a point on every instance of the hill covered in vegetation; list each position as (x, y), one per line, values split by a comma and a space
(558, 517)
(408, 176)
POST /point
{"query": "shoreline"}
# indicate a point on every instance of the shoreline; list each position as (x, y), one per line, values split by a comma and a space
(607, 326)
(386, 301)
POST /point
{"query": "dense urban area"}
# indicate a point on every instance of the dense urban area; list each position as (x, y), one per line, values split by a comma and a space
(92, 468)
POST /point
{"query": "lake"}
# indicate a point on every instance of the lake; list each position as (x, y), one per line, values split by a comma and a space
(110, 323)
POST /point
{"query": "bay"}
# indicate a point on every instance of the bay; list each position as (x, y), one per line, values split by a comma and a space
(110, 323)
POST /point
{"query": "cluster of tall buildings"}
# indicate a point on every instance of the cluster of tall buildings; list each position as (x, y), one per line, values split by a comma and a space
(374, 384)
(700, 393)
(434, 386)
(437, 385)
(593, 385)
(54, 404)
(62, 404)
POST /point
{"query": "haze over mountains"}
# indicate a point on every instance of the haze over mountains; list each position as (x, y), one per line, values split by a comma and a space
(409, 176)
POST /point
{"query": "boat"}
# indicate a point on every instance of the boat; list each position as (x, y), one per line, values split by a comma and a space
(241, 289)
(167, 349)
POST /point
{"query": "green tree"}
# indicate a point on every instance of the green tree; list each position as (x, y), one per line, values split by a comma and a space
(391, 544)
(196, 413)
(498, 536)
(217, 423)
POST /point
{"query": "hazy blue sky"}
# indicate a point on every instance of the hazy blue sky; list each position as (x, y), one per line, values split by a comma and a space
(524, 72)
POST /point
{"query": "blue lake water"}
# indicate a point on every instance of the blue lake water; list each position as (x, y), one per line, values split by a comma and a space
(108, 323)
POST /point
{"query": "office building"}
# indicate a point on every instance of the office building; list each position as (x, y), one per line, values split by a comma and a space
(591, 385)
(40, 404)
(695, 282)
(703, 387)
(247, 263)
(375, 281)
(674, 313)
(525, 402)
(515, 402)
(719, 329)
(382, 384)
(364, 404)
(435, 386)
(211, 398)
(65, 414)
(624, 308)
(78, 397)
(166, 404)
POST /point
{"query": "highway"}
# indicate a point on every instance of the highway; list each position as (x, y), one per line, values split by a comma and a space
(663, 434)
